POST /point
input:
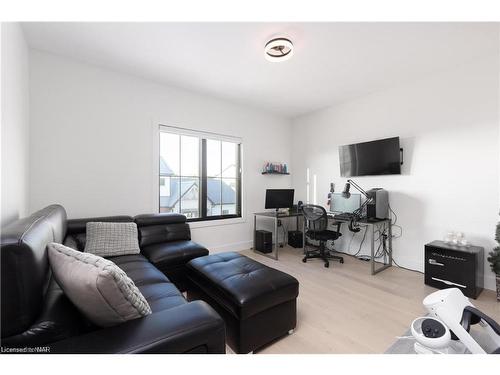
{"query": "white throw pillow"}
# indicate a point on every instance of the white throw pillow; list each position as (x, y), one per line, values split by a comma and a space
(96, 286)
(112, 239)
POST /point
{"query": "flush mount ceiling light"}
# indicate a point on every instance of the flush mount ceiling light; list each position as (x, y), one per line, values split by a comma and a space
(278, 49)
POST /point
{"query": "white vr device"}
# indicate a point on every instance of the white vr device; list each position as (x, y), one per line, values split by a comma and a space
(447, 328)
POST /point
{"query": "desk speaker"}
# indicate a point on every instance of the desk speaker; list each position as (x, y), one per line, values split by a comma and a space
(295, 239)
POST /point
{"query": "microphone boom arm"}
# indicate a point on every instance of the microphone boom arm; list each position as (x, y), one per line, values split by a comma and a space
(358, 188)
(367, 201)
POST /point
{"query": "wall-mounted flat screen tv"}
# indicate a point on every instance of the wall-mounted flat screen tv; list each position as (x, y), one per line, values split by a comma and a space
(371, 158)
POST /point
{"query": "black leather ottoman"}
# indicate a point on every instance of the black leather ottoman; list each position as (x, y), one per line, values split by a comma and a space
(257, 303)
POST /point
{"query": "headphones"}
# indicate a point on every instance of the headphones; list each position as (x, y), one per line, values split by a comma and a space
(353, 226)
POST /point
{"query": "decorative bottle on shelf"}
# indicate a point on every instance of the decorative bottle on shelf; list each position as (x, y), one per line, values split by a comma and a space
(274, 167)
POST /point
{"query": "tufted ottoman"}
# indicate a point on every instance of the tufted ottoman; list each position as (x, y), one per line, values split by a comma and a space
(257, 303)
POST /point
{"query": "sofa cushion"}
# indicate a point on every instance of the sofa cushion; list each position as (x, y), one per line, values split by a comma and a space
(76, 233)
(243, 286)
(171, 254)
(80, 225)
(25, 267)
(157, 219)
(76, 241)
(112, 239)
(55, 216)
(152, 234)
(100, 289)
(160, 293)
(59, 320)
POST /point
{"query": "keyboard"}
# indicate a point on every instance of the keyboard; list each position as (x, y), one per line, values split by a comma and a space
(345, 216)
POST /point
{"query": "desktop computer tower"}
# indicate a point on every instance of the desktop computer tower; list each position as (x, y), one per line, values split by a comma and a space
(263, 241)
(379, 207)
(295, 239)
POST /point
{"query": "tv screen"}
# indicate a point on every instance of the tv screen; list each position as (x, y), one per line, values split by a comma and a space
(370, 158)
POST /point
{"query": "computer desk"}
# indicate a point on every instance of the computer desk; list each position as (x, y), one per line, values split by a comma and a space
(370, 225)
(276, 217)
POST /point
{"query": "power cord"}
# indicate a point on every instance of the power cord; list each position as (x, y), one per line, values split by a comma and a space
(394, 224)
(362, 242)
(381, 238)
(350, 241)
(284, 228)
(405, 268)
(348, 252)
(385, 251)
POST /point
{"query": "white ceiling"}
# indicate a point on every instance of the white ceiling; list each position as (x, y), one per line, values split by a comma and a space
(332, 62)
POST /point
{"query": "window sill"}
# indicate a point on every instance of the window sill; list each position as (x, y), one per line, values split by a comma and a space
(216, 223)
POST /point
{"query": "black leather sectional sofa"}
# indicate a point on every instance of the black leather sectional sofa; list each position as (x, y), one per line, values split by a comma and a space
(36, 313)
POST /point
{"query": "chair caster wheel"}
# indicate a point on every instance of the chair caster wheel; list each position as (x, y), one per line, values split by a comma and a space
(304, 260)
(327, 265)
(342, 261)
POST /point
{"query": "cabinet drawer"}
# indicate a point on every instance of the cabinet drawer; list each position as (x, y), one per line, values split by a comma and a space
(436, 282)
(450, 267)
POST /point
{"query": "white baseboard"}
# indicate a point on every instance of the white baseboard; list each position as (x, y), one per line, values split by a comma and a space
(490, 282)
(235, 246)
(411, 264)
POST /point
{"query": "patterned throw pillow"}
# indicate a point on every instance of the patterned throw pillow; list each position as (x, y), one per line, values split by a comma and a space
(112, 239)
(96, 286)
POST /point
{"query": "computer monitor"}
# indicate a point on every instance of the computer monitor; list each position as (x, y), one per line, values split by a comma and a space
(279, 198)
(339, 203)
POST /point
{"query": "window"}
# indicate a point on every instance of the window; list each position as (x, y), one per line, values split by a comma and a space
(199, 174)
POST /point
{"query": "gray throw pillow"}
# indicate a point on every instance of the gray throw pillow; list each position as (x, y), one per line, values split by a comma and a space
(96, 286)
(112, 239)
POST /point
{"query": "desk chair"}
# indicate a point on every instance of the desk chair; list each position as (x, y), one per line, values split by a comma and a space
(316, 222)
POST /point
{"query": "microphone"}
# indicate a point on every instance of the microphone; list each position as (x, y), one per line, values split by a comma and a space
(346, 193)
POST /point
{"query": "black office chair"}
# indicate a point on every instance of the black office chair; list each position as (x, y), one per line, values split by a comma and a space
(316, 222)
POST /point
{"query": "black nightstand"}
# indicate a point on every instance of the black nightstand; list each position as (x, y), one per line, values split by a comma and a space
(448, 266)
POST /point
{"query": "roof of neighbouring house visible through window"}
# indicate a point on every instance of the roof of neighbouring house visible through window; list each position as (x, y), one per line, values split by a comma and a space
(213, 189)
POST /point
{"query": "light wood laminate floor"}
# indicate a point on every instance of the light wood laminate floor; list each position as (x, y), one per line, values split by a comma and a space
(344, 309)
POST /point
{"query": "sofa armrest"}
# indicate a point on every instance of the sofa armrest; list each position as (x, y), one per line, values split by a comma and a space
(192, 327)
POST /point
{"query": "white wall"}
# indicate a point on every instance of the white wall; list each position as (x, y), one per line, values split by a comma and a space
(92, 144)
(92, 148)
(448, 124)
(15, 122)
